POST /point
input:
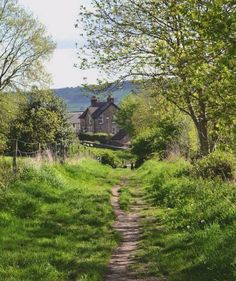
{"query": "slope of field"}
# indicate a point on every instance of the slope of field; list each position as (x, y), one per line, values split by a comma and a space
(56, 223)
(189, 230)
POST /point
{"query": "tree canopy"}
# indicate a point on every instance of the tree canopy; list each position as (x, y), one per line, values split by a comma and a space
(42, 119)
(24, 45)
(184, 49)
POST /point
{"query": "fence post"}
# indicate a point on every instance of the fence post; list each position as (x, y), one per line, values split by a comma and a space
(62, 153)
(14, 163)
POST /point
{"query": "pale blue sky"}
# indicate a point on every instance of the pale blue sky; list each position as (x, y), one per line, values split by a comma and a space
(59, 17)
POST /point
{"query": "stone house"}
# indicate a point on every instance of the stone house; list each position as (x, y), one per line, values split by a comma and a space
(99, 117)
(74, 120)
(121, 138)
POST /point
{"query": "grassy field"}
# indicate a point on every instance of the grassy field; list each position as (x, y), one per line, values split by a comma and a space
(189, 230)
(56, 222)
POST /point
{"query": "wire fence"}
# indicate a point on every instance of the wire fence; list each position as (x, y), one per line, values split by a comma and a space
(52, 152)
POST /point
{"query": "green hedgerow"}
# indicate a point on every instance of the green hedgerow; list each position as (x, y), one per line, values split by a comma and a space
(217, 164)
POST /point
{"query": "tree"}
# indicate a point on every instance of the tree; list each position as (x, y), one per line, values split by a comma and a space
(124, 116)
(24, 45)
(42, 119)
(185, 49)
(9, 109)
(154, 131)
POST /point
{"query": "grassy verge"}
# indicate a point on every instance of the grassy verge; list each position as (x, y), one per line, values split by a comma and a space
(126, 198)
(189, 232)
(56, 223)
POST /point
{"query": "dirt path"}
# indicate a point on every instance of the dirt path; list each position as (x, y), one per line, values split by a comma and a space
(127, 224)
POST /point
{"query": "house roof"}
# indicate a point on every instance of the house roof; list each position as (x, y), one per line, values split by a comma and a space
(102, 108)
(82, 116)
(120, 135)
(74, 116)
(98, 110)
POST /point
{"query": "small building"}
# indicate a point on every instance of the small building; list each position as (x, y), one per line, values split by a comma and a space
(74, 120)
(99, 117)
(121, 138)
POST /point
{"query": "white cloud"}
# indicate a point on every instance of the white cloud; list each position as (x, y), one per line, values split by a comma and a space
(59, 17)
(65, 74)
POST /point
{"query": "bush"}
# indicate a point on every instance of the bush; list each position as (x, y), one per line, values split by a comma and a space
(109, 158)
(100, 137)
(155, 141)
(217, 164)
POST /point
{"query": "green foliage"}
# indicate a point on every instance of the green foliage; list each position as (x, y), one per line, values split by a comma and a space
(100, 137)
(114, 158)
(191, 236)
(156, 140)
(217, 164)
(188, 57)
(108, 157)
(155, 126)
(24, 46)
(124, 116)
(56, 223)
(9, 109)
(6, 173)
(42, 119)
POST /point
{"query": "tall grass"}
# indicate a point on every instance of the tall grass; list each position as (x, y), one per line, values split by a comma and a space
(192, 236)
(56, 223)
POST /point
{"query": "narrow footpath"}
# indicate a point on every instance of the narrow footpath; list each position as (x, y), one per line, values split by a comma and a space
(127, 224)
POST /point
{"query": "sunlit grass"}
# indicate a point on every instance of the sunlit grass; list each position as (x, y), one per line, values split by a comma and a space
(188, 230)
(56, 223)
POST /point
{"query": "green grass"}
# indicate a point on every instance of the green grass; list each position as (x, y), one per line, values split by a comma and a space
(189, 232)
(125, 198)
(56, 223)
(129, 192)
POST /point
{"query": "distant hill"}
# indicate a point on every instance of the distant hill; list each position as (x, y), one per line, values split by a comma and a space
(78, 98)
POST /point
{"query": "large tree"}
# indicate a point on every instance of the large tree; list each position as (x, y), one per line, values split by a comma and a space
(9, 109)
(24, 45)
(186, 49)
(42, 119)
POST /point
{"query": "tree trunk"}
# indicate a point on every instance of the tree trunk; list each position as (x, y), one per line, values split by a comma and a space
(203, 137)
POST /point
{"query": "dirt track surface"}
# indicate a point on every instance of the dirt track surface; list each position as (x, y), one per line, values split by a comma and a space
(127, 224)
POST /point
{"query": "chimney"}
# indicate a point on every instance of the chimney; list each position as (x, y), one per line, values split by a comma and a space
(94, 101)
(110, 99)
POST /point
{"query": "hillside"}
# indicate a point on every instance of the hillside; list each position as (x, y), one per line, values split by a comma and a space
(78, 98)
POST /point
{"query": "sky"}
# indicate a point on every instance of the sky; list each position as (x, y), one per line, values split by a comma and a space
(59, 17)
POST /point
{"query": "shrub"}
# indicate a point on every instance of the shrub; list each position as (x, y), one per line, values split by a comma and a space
(109, 158)
(155, 141)
(100, 137)
(216, 164)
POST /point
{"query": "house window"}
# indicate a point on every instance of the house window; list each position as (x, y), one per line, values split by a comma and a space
(100, 119)
(113, 130)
